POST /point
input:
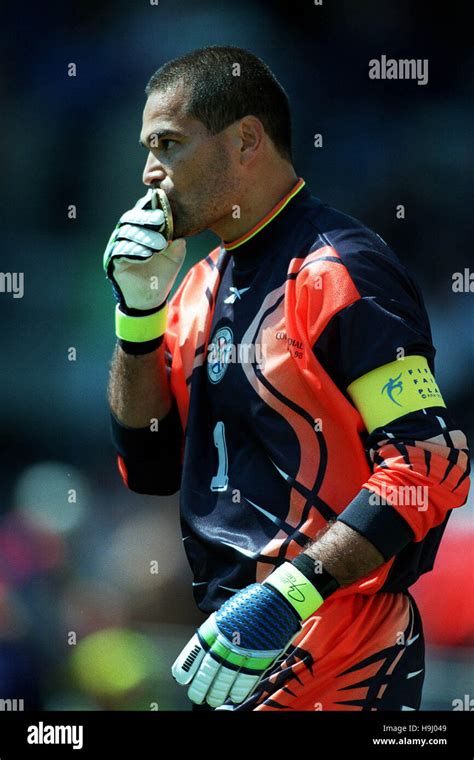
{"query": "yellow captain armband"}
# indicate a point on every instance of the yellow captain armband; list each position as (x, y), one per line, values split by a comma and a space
(393, 390)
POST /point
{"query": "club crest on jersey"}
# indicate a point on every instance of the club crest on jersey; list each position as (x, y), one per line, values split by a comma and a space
(219, 352)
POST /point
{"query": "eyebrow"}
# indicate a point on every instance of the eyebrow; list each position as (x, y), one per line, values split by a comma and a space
(160, 134)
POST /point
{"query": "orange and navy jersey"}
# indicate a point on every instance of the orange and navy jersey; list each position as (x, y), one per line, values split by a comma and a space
(301, 363)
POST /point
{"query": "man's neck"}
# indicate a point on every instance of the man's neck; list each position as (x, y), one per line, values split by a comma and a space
(255, 207)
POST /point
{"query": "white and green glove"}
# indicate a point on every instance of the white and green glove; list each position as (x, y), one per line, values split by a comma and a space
(142, 265)
(233, 649)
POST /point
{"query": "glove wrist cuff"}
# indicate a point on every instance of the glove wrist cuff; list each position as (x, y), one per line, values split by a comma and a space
(301, 585)
(140, 329)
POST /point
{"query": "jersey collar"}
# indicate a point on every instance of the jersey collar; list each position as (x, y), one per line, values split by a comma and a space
(234, 245)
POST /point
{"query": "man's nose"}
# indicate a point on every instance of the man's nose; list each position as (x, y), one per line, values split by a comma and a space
(153, 172)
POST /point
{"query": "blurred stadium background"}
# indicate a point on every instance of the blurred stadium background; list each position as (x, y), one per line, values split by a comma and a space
(84, 623)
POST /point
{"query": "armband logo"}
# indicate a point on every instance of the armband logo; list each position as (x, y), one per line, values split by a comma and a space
(394, 384)
(407, 384)
(423, 383)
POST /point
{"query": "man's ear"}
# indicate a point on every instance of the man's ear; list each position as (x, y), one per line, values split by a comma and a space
(251, 135)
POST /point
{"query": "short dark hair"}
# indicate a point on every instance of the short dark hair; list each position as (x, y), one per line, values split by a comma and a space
(217, 97)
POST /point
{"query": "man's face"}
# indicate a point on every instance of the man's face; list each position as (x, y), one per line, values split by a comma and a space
(199, 172)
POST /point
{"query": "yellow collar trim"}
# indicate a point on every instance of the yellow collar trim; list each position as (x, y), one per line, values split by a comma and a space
(266, 219)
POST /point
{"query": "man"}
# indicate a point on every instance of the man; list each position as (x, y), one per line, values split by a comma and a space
(291, 376)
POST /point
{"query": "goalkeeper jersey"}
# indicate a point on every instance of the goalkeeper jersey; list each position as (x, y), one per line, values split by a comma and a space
(301, 364)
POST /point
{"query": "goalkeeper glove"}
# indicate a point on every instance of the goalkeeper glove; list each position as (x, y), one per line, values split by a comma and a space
(231, 651)
(142, 264)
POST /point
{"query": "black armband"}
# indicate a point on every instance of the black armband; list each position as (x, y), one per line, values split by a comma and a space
(152, 459)
(137, 349)
(378, 522)
(323, 581)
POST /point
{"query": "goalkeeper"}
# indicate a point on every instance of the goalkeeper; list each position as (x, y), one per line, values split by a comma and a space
(292, 375)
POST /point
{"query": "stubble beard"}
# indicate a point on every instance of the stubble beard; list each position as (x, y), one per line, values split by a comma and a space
(217, 197)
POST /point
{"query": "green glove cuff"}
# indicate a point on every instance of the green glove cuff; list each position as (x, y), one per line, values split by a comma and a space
(296, 589)
(238, 656)
(140, 329)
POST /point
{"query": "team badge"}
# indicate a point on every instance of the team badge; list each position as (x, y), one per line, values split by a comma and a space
(219, 352)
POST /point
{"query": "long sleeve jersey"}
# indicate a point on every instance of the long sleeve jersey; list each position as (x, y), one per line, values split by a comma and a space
(301, 366)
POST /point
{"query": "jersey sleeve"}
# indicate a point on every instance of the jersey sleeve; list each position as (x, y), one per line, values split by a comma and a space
(150, 459)
(378, 350)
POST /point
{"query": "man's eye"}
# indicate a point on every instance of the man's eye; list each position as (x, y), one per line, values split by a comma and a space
(166, 147)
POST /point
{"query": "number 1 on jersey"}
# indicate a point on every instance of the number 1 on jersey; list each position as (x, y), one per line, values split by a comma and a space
(219, 482)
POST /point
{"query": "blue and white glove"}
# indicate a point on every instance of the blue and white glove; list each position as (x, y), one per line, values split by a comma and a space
(233, 649)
